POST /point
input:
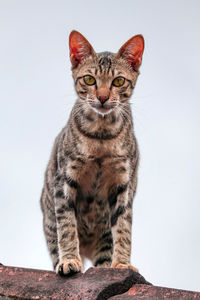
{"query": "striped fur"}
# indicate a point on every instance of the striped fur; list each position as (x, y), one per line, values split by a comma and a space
(91, 177)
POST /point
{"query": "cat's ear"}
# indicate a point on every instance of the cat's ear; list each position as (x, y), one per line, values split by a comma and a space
(132, 51)
(79, 47)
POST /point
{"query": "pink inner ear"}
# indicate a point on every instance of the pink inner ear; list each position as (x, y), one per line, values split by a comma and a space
(79, 48)
(75, 56)
(132, 51)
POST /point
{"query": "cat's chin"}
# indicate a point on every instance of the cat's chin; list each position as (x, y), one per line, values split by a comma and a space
(102, 110)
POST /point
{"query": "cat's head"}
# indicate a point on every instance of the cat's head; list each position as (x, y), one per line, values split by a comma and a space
(104, 81)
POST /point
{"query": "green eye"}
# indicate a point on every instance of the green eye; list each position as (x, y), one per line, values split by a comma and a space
(118, 81)
(89, 80)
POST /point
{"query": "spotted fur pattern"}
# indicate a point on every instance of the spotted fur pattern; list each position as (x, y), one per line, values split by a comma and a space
(91, 177)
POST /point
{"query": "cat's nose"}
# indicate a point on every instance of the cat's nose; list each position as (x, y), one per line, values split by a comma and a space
(102, 99)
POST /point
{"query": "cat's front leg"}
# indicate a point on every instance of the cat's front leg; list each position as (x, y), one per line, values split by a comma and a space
(68, 242)
(103, 250)
(122, 221)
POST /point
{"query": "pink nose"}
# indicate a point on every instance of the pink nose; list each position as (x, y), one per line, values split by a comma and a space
(103, 99)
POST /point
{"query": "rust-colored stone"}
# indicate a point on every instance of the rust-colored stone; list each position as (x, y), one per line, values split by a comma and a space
(96, 283)
(148, 292)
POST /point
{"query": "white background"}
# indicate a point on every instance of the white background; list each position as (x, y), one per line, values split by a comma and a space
(37, 94)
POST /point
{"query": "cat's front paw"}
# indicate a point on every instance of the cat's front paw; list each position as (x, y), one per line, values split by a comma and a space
(118, 265)
(69, 266)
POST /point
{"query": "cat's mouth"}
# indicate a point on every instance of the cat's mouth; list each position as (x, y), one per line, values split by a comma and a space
(102, 109)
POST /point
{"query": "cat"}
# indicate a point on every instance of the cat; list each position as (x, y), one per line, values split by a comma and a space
(91, 177)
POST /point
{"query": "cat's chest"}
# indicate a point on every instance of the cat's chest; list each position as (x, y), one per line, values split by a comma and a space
(95, 181)
(97, 175)
(93, 176)
(100, 165)
(97, 178)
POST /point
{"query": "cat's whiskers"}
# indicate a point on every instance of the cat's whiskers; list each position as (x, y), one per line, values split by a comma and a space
(121, 113)
(125, 111)
(77, 110)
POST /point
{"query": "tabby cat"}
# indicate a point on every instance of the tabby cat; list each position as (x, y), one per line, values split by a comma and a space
(91, 177)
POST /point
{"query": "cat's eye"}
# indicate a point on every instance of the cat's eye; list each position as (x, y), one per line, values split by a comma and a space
(118, 81)
(89, 80)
